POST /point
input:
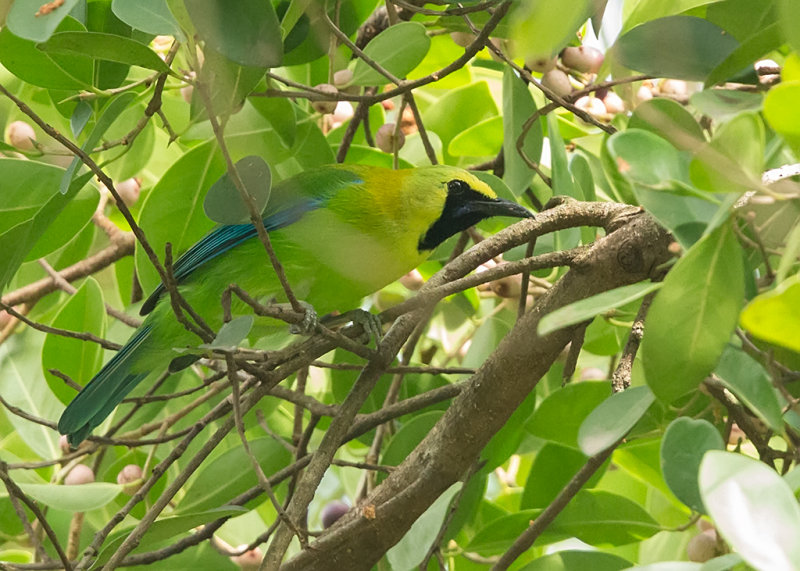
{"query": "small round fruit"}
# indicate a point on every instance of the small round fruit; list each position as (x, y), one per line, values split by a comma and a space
(540, 63)
(593, 374)
(249, 560)
(413, 280)
(508, 286)
(342, 78)
(644, 93)
(462, 39)
(20, 135)
(130, 478)
(585, 59)
(558, 82)
(80, 474)
(702, 547)
(325, 106)
(614, 103)
(129, 190)
(592, 105)
(674, 88)
(332, 512)
(386, 140)
(342, 113)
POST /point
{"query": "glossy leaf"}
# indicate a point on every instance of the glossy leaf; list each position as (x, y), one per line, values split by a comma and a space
(231, 334)
(249, 35)
(723, 104)
(774, 316)
(782, 112)
(734, 159)
(55, 71)
(553, 467)
(753, 509)
(588, 308)
(680, 347)
(224, 204)
(680, 47)
(227, 84)
(78, 498)
(151, 16)
(559, 416)
(570, 560)
(105, 47)
(685, 442)
(750, 382)
(613, 418)
(109, 114)
(546, 27)
(411, 550)
(30, 20)
(739, 61)
(789, 16)
(482, 139)
(669, 120)
(398, 49)
(518, 106)
(647, 159)
(84, 312)
(216, 483)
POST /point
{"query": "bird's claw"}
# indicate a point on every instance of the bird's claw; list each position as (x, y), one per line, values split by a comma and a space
(309, 323)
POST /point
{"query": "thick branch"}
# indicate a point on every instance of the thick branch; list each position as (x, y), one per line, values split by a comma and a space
(629, 254)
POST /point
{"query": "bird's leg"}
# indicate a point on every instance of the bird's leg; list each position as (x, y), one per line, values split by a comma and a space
(373, 327)
(309, 323)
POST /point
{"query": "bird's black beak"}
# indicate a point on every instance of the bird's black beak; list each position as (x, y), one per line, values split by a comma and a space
(493, 207)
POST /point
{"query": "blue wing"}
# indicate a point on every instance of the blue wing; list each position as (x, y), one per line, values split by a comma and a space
(288, 203)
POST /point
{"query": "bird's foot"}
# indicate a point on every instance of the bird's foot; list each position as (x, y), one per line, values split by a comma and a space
(370, 322)
(309, 322)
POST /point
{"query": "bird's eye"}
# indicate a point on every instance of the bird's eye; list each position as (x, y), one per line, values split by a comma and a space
(457, 186)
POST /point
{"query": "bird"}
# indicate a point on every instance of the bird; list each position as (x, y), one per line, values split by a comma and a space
(341, 232)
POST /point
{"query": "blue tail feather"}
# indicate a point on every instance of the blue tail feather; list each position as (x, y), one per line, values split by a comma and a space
(104, 392)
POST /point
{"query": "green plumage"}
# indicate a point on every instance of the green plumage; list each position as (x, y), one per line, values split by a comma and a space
(341, 233)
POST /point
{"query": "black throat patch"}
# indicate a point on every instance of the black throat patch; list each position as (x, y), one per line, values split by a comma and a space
(462, 209)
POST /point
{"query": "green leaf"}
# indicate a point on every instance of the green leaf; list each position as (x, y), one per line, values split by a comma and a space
(458, 110)
(215, 483)
(280, 113)
(685, 442)
(54, 71)
(751, 49)
(558, 417)
(680, 47)
(693, 315)
(518, 106)
(774, 316)
(723, 104)
(80, 360)
(163, 529)
(645, 10)
(23, 386)
(747, 379)
(482, 139)
(249, 35)
(233, 332)
(553, 467)
(151, 16)
(572, 560)
(734, 160)
(31, 207)
(789, 16)
(224, 204)
(109, 115)
(647, 159)
(79, 498)
(173, 209)
(669, 120)
(409, 552)
(409, 436)
(753, 509)
(26, 19)
(546, 27)
(563, 185)
(613, 418)
(586, 309)
(102, 46)
(398, 49)
(782, 112)
(227, 82)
